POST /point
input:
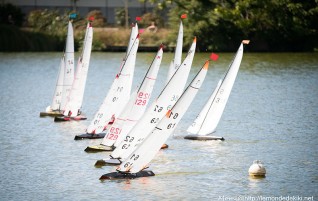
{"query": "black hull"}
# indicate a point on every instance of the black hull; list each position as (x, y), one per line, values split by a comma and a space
(98, 148)
(119, 175)
(50, 114)
(203, 137)
(65, 118)
(89, 136)
(110, 162)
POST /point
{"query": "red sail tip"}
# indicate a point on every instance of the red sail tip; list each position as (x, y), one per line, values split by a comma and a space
(214, 56)
(161, 46)
(138, 18)
(183, 16)
(91, 18)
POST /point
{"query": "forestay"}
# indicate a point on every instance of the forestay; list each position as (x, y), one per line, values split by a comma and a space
(136, 106)
(119, 92)
(216, 107)
(140, 158)
(167, 98)
(74, 104)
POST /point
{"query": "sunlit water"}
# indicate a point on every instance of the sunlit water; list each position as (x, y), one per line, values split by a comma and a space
(272, 116)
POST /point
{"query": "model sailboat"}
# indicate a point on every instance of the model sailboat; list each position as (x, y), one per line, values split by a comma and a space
(74, 103)
(133, 110)
(208, 119)
(118, 94)
(164, 102)
(176, 62)
(139, 159)
(65, 76)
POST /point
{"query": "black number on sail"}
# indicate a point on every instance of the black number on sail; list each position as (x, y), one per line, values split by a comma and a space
(129, 139)
(125, 146)
(174, 116)
(128, 164)
(120, 89)
(154, 120)
(171, 125)
(134, 157)
(158, 109)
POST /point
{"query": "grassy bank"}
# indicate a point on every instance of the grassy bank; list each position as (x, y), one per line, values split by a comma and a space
(105, 39)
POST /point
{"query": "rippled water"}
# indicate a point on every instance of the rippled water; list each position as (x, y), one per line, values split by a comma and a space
(272, 116)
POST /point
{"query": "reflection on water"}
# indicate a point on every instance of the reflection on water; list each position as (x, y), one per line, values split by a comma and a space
(271, 115)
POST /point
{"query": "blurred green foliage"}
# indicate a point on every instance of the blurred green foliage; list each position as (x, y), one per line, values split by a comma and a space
(271, 25)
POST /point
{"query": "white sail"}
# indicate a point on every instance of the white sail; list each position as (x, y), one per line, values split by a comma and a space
(132, 37)
(197, 123)
(69, 66)
(118, 95)
(164, 102)
(176, 62)
(146, 151)
(136, 106)
(216, 108)
(73, 106)
(57, 97)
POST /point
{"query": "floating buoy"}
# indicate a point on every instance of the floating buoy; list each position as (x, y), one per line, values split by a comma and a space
(257, 169)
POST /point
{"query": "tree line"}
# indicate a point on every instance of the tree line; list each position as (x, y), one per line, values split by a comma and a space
(219, 25)
(271, 25)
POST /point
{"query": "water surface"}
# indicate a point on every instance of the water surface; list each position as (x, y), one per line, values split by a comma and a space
(271, 116)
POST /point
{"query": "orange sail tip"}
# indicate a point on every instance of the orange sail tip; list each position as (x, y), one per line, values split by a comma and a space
(206, 65)
(168, 113)
(214, 56)
(195, 39)
(183, 16)
(138, 18)
(245, 42)
(91, 18)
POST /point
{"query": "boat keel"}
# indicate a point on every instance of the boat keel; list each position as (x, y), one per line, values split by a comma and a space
(66, 118)
(108, 162)
(98, 148)
(89, 136)
(120, 175)
(203, 137)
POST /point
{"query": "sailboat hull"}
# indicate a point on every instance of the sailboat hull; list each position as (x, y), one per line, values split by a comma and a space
(98, 148)
(203, 137)
(107, 162)
(51, 114)
(89, 136)
(119, 175)
(65, 118)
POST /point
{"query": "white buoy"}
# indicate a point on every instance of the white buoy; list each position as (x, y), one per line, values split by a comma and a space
(257, 169)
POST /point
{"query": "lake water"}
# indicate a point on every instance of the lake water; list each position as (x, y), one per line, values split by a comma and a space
(271, 115)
